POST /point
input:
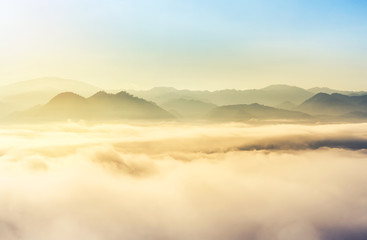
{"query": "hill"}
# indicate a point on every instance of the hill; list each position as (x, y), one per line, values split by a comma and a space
(334, 104)
(287, 105)
(188, 108)
(331, 91)
(26, 94)
(100, 106)
(243, 112)
(271, 96)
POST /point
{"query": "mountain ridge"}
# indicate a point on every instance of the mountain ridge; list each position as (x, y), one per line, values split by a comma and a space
(256, 111)
(186, 104)
(334, 104)
(100, 106)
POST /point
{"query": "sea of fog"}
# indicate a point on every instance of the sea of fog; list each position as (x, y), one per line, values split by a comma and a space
(172, 181)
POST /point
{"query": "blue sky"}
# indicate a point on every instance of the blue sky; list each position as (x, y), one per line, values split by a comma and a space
(198, 44)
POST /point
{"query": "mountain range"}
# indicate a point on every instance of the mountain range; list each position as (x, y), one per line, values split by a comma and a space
(99, 107)
(243, 112)
(272, 95)
(188, 108)
(30, 101)
(334, 104)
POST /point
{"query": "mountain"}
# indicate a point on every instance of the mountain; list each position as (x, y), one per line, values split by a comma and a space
(100, 106)
(272, 95)
(230, 113)
(327, 90)
(287, 105)
(162, 95)
(188, 108)
(243, 112)
(26, 94)
(331, 91)
(286, 93)
(334, 104)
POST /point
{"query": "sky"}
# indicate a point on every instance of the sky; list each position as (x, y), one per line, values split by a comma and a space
(194, 44)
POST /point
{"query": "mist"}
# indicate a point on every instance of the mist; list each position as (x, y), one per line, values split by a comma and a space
(183, 181)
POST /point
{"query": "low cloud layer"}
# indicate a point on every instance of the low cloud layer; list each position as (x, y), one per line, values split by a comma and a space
(181, 181)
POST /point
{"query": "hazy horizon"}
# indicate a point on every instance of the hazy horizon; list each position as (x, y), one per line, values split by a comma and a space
(193, 44)
(117, 88)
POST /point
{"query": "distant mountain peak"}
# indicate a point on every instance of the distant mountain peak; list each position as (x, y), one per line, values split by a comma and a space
(101, 106)
(325, 97)
(163, 88)
(66, 96)
(256, 105)
(244, 112)
(26, 94)
(100, 94)
(65, 99)
(319, 95)
(287, 105)
(188, 107)
(334, 104)
(124, 94)
(280, 87)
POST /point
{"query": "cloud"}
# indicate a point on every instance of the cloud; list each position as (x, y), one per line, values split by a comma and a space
(177, 181)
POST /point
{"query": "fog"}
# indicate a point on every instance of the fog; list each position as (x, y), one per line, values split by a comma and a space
(183, 181)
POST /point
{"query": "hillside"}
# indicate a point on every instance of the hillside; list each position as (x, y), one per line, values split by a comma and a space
(334, 104)
(272, 95)
(287, 105)
(26, 94)
(245, 112)
(188, 108)
(331, 91)
(100, 106)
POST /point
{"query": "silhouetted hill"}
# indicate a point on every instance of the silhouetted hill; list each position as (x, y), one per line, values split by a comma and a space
(162, 95)
(331, 91)
(25, 94)
(189, 108)
(75, 101)
(287, 105)
(230, 113)
(100, 106)
(256, 111)
(288, 93)
(334, 104)
(272, 95)
(66, 99)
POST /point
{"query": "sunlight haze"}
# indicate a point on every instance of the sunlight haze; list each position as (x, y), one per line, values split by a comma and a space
(186, 44)
(183, 120)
